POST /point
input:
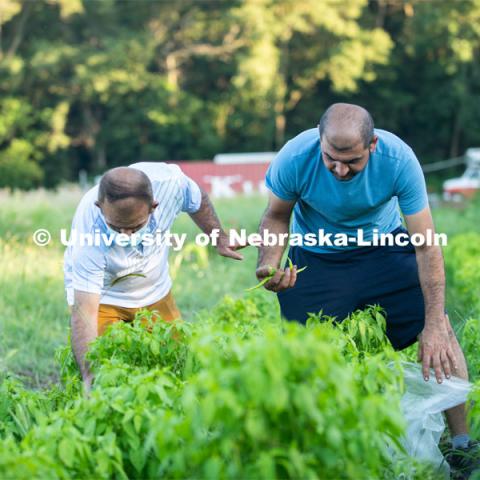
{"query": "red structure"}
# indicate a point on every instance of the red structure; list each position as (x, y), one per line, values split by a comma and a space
(227, 180)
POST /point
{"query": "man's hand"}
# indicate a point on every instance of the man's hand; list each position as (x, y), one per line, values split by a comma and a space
(227, 249)
(84, 331)
(434, 348)
(87, 383)
(435, 351)
(281, 279)
(207, 220)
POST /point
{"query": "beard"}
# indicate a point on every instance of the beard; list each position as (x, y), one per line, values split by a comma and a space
(345, 178)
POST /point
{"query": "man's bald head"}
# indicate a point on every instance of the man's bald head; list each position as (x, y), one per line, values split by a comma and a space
(125, 198)
(345, 125)
(124, 182)
(347, 139)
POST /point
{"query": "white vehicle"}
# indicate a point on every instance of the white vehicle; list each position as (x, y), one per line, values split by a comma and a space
(466, 186)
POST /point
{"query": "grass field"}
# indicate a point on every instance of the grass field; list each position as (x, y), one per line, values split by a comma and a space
(34, 318)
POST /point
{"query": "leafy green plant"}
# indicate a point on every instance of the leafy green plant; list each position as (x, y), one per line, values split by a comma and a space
(285, 404)
(237, 394)
(145, 344)
(463, 265)
(470, 343)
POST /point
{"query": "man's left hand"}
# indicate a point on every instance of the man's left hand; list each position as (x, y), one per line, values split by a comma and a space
(435, 351)
(227, 249)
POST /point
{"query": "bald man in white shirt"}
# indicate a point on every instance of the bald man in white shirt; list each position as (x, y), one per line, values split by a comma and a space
(110, 281)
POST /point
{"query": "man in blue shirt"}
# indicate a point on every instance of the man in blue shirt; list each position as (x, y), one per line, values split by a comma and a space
(346, 177)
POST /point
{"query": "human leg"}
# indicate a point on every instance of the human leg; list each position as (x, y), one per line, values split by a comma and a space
(391, 281)
(399, 292)
(110, 314)
(456, 416)
(165, 309)
(325, 286)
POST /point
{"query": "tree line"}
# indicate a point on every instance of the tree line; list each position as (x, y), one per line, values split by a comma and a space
(90, 84)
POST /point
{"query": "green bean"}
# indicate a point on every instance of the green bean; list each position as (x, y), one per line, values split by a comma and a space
(261, 284)
(119, 279)
(272, 272)
(290, 263)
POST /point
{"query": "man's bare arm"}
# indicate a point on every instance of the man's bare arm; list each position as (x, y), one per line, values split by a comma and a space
(276, 220)
(84, 330)
(434, 343)
(207, 220)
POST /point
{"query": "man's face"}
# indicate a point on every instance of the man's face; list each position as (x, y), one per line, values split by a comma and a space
(127, 215)
(346, 163)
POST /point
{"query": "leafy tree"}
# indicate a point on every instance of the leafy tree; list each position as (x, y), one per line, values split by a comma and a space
(90, 85)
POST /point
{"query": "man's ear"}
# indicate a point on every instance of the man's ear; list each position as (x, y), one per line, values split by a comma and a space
(97, 204)
(373, 144)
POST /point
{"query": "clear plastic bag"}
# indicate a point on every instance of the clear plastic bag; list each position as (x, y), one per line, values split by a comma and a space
(422, 405)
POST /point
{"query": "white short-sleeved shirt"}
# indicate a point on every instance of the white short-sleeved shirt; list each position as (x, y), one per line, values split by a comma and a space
(94, 269)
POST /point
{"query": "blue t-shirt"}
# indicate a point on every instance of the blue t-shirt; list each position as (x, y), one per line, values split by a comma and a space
(369, 201)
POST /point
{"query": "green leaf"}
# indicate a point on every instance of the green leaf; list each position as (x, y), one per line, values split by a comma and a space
(155, 347)
(66, 451)
(138, 459)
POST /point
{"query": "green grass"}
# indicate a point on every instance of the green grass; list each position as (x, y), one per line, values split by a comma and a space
(33, 315)
(457, 219)
(34, 318)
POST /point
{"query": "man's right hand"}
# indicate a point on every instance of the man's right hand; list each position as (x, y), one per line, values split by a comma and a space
(87, 383)
(281, 280)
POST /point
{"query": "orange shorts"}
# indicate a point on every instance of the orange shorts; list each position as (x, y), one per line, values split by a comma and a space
(165, 309)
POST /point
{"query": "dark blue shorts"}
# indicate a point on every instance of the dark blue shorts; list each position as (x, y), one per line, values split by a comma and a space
(340, 283)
